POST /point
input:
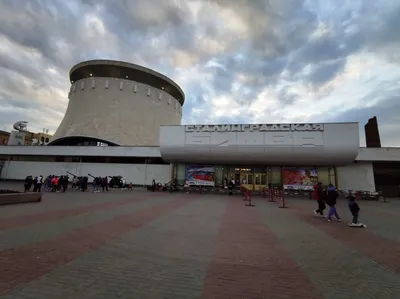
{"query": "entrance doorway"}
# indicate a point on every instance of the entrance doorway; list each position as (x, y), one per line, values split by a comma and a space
(260, 181)
(242, 176)
(252, 178)
(247, 180)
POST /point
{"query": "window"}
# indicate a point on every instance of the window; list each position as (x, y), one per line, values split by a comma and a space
(59, 158)
(158, 161)
(71, 159)
(128, 160)
(249, 179)
(95, 159)
(263, 179)
(33, 158)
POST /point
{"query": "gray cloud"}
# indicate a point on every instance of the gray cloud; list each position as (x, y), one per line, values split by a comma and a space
(286, 51)
(387, 120)
(324, 72)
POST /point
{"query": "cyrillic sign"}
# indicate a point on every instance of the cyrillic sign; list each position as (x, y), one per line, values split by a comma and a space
(254, 128)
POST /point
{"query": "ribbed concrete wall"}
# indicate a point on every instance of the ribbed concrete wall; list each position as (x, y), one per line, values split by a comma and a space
(118, 110)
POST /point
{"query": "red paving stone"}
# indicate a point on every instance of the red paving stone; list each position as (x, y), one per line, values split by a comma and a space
(25, 220)
(250, 262)
(24, 264)
(377, 248)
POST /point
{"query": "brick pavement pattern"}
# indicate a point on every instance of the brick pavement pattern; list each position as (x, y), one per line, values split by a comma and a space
(19, 236)
(162, 245)
(58, 214)
(29, 262)
(377, 248)
(56, 201)
(250, 262)
(334, 255)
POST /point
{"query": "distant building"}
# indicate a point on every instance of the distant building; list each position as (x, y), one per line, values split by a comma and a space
(30, 138)
(4, 135)
(37, 138)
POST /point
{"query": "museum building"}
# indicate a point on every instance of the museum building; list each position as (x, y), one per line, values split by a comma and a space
(254, 155)
(137, 133)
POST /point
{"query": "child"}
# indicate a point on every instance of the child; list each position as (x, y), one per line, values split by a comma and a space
(330, 199)
(355, 210)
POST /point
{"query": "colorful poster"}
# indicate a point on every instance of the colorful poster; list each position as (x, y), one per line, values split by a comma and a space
(299, 179)
(200, 175)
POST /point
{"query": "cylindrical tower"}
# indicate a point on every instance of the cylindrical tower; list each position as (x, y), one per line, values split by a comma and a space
(118, 103)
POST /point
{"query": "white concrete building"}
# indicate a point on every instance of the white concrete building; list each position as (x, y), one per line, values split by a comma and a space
(259, 156)
(137, 112)
(118, 103)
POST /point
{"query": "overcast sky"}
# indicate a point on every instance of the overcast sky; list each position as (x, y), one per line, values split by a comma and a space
(238, 61)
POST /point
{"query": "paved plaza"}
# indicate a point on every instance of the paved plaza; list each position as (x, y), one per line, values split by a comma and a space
(160, 245)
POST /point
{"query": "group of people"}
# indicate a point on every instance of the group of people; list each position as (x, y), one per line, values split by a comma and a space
(329, 197)
(54, 183)
(35, 182)
(80, 183)
(100, 182)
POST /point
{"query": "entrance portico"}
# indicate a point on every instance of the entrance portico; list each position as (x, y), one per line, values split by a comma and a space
(255, 178)
(255, 155)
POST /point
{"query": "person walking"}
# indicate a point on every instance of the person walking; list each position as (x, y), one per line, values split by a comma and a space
(230, 186)
(330, 199)
(105, 184)
(318, 196)
(28, 183)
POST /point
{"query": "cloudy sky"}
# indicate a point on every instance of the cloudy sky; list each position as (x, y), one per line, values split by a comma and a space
(238, 61)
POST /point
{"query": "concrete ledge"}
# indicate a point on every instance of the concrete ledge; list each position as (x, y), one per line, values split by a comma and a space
(16, 198)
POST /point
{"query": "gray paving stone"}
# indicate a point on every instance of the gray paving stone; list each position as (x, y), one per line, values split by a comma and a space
(166, 258)
(336, 270)
(38, 232)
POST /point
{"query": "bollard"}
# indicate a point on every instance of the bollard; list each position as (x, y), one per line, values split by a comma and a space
(248, 193)
(272, 195)
(243, 190)
(282, 198)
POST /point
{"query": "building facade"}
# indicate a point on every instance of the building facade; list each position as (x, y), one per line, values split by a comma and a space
(118, 103)
(4, 136)
(24, 138)
(257, 155)
(124, 119)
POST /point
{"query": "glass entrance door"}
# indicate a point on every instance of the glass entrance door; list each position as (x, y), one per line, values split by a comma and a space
(260, 181)
(246, 180)
(242, 176)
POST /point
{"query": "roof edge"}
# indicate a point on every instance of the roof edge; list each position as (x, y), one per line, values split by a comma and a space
(107, 62)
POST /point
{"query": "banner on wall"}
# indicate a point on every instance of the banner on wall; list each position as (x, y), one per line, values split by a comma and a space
(200, 175)
(300, 179)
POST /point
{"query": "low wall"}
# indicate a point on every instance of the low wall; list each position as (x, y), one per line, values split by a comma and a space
(16, 198)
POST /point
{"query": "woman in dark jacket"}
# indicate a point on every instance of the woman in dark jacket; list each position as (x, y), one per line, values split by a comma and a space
(330, 199)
